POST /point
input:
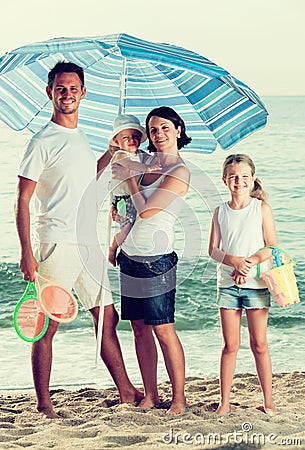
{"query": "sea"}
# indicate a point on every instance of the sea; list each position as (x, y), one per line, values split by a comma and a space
(278, 151)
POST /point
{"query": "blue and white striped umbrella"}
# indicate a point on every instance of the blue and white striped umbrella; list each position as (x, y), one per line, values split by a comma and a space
(127, 74)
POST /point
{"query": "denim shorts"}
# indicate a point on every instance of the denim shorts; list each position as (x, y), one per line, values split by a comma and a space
(235, 297)
(148, 287)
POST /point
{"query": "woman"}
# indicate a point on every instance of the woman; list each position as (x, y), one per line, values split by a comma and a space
(147, 260)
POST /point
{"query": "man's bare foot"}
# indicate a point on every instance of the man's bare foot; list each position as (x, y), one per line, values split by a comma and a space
(223, 409)
(271, 411)
(48, 412)
(112, 256)
(149, 402)
(132, 397)
(176, 408)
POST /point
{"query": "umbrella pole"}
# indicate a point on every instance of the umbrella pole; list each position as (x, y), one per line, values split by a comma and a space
(122, 87)
(103, 293)
(107, 244)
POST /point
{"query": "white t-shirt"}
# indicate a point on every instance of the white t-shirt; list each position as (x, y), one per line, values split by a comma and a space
(241, 235)
(60, 160)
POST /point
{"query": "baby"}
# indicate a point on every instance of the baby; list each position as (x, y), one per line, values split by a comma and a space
(127, 136)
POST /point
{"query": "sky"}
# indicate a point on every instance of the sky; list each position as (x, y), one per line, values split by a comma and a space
(261, 42)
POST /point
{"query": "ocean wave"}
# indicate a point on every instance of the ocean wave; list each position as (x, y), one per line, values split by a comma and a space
(195, 303)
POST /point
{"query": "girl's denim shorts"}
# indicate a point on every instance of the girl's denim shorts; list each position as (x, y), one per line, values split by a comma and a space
(235, 297)
(148, 287)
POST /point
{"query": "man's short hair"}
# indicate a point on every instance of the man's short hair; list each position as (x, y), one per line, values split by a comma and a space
(62, 67)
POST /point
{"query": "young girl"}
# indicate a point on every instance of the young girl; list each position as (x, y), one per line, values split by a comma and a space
(240, 229)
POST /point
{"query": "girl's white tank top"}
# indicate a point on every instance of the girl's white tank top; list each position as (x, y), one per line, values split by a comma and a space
(241, 235)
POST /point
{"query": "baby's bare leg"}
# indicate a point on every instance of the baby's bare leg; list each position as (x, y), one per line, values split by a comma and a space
(118, 240)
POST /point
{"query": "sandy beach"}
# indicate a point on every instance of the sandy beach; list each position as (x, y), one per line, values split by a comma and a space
(93, 419)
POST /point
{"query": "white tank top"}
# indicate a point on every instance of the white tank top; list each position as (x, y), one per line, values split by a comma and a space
(241, 235)
(154, 235)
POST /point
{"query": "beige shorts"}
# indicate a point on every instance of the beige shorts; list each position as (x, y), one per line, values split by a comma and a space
(62, 264)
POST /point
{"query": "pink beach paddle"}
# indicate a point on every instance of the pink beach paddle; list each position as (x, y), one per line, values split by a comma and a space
(57, 302)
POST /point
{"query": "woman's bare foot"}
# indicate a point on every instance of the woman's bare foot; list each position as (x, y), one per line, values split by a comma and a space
(223, 409)
(48, 412)
(271, 410)
(176, 408)
(149, 402)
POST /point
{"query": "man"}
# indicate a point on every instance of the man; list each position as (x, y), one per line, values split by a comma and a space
(58, 165)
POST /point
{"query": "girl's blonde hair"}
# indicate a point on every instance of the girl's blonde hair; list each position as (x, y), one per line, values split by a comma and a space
(257, 190)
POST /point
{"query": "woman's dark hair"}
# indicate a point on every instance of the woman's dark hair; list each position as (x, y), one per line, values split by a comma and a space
(168, 113)
(63, 67)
